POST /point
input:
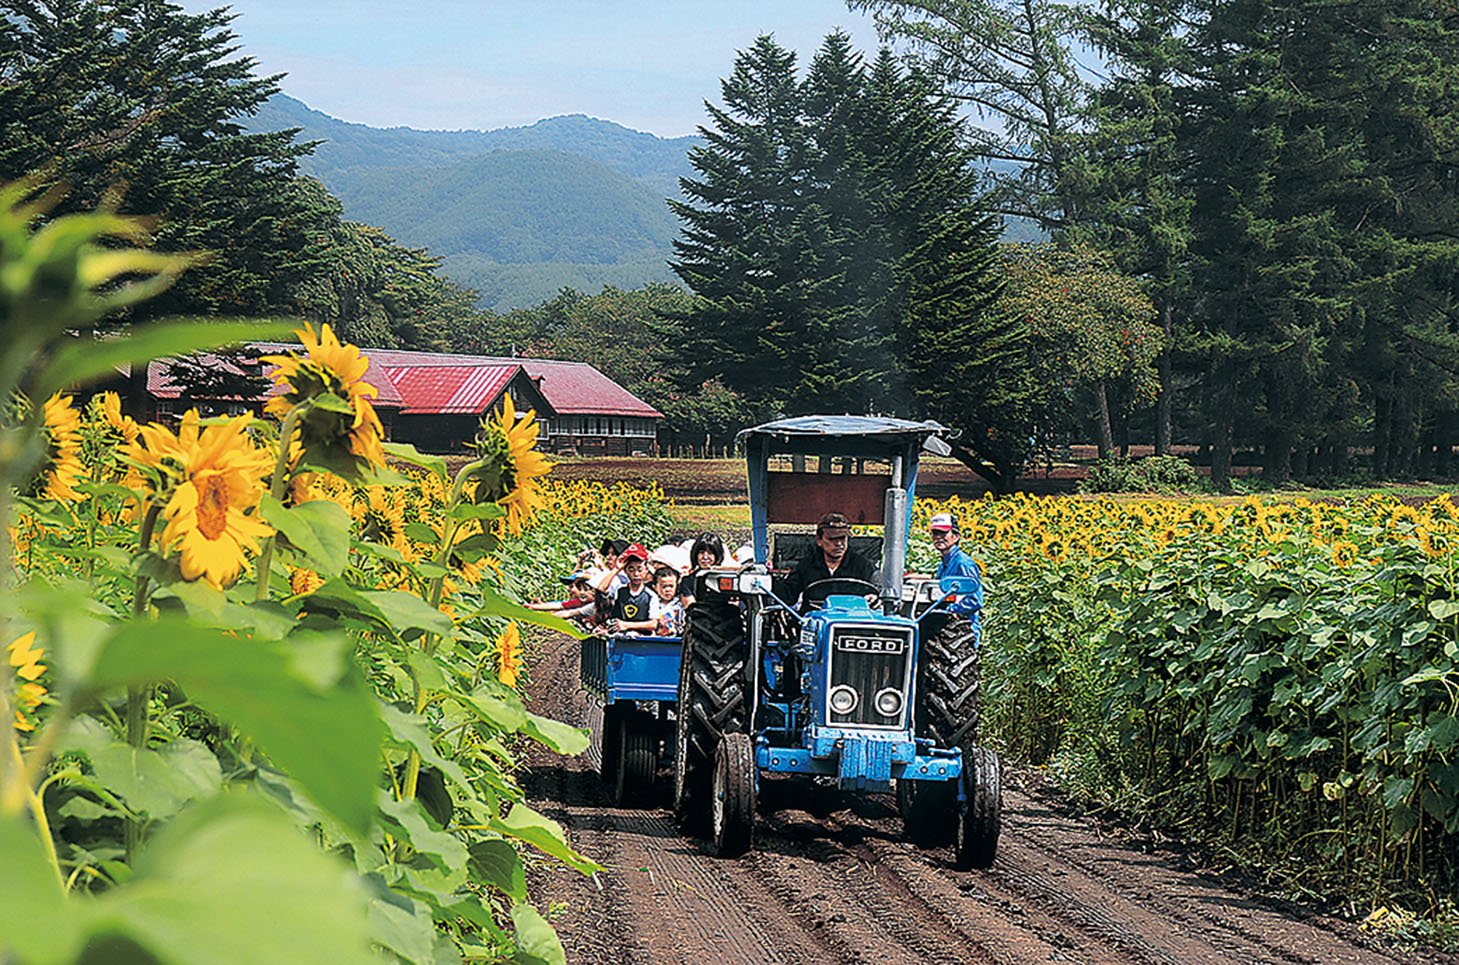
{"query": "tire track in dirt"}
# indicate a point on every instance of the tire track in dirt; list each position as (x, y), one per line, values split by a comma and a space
(832, 880)
(661, 900)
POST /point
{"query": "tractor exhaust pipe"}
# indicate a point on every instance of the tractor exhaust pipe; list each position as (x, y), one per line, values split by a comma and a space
(894, 547)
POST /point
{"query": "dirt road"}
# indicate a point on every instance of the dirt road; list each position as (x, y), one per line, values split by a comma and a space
(831, 880)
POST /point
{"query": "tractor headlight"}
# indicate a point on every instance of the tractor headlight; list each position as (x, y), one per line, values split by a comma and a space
(888, 702)
(842, 699)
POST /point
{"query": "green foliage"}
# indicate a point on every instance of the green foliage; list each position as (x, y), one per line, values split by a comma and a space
(1152, 474)
(338, 744)
(150, 97)
(1012, 60)
(843, 261)
(1276, 682)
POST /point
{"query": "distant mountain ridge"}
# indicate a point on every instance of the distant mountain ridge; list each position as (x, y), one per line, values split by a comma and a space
(518, 213)
(346, 146)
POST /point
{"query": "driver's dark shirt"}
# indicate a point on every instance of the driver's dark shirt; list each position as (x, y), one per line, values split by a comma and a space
(811, 568)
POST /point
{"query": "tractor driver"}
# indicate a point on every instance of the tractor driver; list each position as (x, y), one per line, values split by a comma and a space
(815, 576)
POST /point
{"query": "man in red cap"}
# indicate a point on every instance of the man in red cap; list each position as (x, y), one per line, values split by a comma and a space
(829, 567)
(946, 536)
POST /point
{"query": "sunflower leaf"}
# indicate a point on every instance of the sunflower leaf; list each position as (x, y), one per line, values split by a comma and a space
(319, 529)
(320, 727)
(330, 402)
(409, 454)
(494, 604)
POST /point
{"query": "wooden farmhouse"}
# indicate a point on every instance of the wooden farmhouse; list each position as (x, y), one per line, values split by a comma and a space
(436, 401)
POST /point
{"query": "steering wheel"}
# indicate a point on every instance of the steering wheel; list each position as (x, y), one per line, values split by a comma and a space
(871, 589)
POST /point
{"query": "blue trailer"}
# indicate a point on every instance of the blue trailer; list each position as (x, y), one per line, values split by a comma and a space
(632, 684)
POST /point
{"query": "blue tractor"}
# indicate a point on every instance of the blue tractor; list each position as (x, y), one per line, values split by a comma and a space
(874, 691)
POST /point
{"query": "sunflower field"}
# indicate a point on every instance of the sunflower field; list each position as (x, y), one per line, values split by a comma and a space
(1275, 679)
(262, 696)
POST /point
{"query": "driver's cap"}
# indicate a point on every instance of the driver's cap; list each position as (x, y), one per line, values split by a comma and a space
(832, 521)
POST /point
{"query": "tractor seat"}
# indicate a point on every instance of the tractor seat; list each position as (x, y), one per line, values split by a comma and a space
(788, 549)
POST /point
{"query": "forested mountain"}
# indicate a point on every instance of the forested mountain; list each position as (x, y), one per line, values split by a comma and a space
(517, 213)
(349, 148)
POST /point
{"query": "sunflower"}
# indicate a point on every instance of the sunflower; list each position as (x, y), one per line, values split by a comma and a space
(1433, 544)
(1344, 553)
(381, 515)
(25, 659)
(220, 478)
(1053, 548)
(302, 582)
(117, 421)
(62, 468)
(512, 466)
(509, 655)
(330, 369)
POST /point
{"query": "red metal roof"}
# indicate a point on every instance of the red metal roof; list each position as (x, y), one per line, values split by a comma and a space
(423, 382)
(570, 388)
(460, 389)
(159, 385)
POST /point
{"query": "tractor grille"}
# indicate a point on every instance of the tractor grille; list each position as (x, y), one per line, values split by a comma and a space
(869, 661)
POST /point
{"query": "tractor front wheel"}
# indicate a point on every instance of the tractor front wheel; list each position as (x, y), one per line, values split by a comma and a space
(733, 806)
(980, 819)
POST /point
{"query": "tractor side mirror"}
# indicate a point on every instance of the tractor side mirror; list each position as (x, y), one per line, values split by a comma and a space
(958, 584)
(756, 584)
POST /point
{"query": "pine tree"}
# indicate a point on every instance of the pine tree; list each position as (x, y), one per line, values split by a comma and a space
(746, 247)
(1141, 204)
(140, 100)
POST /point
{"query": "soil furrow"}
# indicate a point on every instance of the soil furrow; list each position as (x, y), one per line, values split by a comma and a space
(832, 880)
(1068, 861)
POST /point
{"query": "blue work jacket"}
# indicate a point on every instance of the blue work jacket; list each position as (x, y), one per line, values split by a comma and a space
(958, 563)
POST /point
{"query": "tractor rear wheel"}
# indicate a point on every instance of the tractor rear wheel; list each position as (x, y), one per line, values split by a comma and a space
(637, 759)
(947, 691)
(712, 702)
(732, 804)
(980, 819)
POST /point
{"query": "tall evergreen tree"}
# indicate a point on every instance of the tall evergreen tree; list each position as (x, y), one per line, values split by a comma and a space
(1009, 61)
(746, 246)
(140, 101)
(892, 272)
(1140, 203)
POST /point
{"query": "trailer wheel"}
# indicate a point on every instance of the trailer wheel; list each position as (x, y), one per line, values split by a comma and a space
(980, 820)
(637, 759)
(732, 805)
(947, 686)
(711, 701)
(609, 740)
(929, 812)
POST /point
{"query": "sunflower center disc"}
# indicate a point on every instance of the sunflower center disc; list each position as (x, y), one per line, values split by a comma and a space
(212, 506)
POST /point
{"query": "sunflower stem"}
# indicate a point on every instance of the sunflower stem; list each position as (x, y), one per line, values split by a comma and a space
(433, 596)
(276, 490)
(138, 697)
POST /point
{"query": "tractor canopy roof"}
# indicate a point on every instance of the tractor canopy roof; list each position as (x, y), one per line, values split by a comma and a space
(841, 433)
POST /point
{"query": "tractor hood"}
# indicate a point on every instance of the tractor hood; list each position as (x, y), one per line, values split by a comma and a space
(784, 434)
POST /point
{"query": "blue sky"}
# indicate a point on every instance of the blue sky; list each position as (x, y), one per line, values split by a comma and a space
(449, 64)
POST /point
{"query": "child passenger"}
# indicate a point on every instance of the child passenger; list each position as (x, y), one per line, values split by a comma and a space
(579, 602)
